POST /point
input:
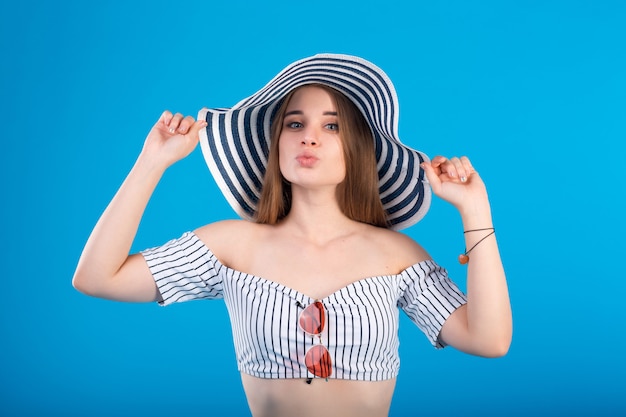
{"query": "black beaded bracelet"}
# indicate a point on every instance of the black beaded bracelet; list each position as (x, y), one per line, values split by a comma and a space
(464, 258)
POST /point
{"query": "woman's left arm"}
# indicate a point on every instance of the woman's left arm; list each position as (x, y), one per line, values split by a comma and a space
(484, 325)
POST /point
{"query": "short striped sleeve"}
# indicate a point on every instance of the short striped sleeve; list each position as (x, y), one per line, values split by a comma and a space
(184, 269)
(429, 297)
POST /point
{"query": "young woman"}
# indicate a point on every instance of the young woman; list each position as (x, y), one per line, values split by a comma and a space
(316, 272)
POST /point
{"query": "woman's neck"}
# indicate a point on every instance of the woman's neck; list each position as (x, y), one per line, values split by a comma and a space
(317, 217)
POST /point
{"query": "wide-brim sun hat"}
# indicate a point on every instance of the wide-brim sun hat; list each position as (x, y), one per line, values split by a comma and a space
(235, 143)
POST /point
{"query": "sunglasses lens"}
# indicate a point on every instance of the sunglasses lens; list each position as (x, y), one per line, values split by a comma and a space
(318, 361)
(313, 318)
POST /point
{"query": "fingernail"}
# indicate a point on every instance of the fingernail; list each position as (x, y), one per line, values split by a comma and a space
(171, 130)
(463, 179)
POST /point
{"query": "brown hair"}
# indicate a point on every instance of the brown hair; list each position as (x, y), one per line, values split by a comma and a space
(357, 195)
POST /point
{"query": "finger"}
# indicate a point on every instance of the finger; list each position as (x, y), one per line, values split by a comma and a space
(438, 160)
(165, 118)
(431, 175)
(467, 165)
(446, 167)
(195, 128)
(185, 124)
(458, 170)
(173, 122)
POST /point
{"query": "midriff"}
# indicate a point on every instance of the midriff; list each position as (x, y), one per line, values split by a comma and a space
(335, 397)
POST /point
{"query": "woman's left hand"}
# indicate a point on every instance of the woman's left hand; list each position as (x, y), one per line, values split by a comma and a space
(456, 181)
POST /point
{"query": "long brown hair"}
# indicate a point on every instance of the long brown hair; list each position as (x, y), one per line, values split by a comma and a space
(357, 195)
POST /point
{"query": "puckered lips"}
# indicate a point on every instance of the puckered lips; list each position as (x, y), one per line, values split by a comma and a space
(307, 159)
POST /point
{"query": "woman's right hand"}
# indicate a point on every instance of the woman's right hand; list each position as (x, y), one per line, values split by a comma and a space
(172, 138)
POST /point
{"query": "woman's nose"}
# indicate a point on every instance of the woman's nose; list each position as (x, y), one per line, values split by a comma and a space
(310, 138)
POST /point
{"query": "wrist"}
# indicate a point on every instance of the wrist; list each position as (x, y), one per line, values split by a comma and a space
(152, 162)
(476, 215)
(149, 168)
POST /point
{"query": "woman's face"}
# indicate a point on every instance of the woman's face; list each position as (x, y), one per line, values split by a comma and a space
(310, 148)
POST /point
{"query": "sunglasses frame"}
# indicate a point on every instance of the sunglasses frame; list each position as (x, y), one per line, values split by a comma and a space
(318, 363)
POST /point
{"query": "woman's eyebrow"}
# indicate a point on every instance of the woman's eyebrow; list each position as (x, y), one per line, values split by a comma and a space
(299, 112)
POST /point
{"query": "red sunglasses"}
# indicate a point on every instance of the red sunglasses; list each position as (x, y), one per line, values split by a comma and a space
(312, 321)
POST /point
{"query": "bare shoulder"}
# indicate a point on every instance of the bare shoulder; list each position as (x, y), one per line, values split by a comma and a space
(398, 246)
(227, 238)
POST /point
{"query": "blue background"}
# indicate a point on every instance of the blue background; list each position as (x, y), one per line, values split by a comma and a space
(533, 91)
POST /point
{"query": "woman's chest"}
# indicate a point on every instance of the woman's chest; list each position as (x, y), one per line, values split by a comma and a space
(316, 271)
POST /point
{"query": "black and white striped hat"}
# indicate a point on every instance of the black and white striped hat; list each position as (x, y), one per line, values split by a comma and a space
(235, 143)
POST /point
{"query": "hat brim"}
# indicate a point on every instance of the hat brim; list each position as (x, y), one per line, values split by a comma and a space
(235, 143)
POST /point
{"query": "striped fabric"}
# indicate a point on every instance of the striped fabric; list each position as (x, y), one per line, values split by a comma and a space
(361, 333)
(235, 144)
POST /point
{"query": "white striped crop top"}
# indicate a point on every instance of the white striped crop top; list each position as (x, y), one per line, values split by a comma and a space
(361, 331)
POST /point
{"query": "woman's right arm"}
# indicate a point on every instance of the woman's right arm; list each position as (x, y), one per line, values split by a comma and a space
(105, 268)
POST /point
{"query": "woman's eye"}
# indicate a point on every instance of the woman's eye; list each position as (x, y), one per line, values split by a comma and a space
(293, 125)
(332, 126)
